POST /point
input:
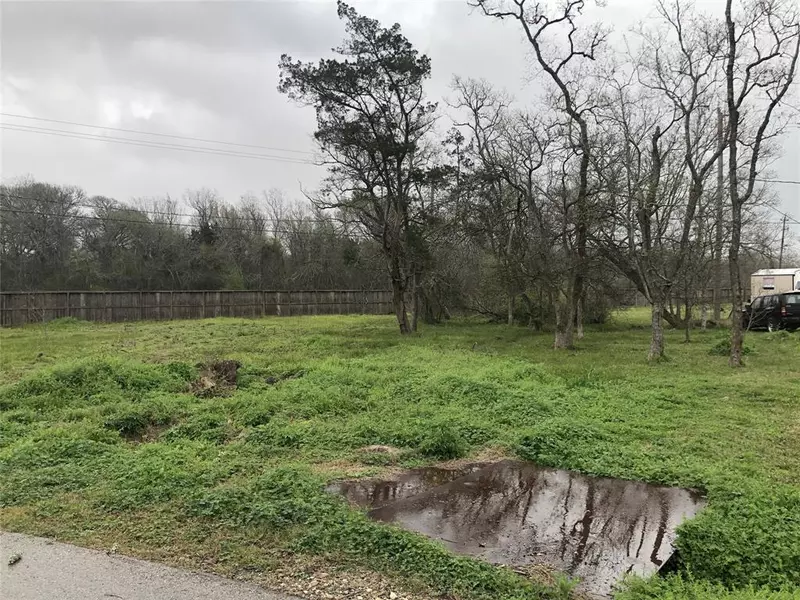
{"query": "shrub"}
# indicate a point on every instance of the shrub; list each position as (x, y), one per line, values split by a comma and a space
(183, 370)
(723, 348)
(443, 441)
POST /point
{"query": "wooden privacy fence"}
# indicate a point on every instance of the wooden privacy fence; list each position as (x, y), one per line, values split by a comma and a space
(19, 308)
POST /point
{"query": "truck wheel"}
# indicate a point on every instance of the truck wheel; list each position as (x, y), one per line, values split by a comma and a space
(773, 324)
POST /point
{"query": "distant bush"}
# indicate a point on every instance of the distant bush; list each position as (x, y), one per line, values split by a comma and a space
(723, 348)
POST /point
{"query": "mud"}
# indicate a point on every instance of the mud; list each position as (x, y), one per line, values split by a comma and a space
(517, 513)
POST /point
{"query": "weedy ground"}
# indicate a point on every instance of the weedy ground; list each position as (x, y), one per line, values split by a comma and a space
(104, 440)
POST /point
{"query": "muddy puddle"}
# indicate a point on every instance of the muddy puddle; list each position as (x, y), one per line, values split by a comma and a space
(374, 493)
(517, 513)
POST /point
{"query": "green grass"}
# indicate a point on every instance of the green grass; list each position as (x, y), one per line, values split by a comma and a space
(102, 440)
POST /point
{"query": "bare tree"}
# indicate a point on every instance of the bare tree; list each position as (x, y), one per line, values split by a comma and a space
(505, 150)
(660, 108)
(564, 68)
(763, 42)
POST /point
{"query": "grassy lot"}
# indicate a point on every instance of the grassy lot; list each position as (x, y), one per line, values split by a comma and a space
(102, 440)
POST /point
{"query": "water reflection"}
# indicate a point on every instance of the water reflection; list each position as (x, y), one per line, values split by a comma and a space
(373, 493)
(517, 513)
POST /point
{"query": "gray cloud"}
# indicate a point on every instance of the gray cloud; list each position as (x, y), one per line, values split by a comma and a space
(209, 69)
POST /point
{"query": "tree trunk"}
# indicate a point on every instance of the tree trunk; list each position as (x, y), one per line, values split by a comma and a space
(415, 301)
(703, 315)
(399, 301)
(718, 227)
(529, 307)
(657, 331)
(737, 334)
(670, 318)
(510, 309)
(688, 320)
(565, 321)
(579, 313)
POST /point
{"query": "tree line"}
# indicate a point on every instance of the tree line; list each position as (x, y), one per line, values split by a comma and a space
(642, 168)
(645, 163)
(57, 238)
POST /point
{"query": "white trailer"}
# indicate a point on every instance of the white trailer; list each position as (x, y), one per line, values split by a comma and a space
(774, 281)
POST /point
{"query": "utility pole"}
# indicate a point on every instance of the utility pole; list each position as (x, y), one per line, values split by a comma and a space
(718, 225)
(783, 238)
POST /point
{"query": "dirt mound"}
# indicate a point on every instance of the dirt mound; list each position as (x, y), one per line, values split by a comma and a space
(217, 378)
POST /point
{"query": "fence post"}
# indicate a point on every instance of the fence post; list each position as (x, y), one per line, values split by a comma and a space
(171, 305)
(141, 306)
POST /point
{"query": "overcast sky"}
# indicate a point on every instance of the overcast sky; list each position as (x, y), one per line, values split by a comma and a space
(209, 70)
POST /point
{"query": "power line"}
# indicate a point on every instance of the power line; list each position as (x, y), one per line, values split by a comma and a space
(786, 181)
(198, 139)
(785, 215)
(164, 135)
(148, 144)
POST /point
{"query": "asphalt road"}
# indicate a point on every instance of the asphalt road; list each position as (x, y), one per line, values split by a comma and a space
(53, 571)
